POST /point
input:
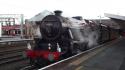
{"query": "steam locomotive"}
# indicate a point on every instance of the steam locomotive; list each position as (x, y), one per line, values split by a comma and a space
(60, 37)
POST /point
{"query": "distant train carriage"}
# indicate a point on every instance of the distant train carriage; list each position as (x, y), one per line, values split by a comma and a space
(12, 30)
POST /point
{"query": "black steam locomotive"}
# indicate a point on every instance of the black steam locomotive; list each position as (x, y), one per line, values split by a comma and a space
(62, 37)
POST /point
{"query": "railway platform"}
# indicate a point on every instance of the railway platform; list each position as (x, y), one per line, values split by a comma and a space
(109, 56)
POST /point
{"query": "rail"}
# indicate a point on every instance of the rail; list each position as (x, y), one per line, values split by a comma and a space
(18, 40)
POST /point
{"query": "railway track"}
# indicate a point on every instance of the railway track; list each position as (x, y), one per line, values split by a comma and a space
(29, 67)
(14, 50)
(15, 65)
(11, 54)
(13, 57)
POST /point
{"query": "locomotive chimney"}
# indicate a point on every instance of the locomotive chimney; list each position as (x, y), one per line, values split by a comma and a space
(58, 12)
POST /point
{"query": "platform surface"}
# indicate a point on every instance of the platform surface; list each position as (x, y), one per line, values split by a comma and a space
(112, 58)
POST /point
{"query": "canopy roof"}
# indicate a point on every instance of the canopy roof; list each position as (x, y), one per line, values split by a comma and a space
(115, 16)
(40, 15)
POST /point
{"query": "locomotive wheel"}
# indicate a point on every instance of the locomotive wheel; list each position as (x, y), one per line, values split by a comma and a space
(84, 46)
(67, 52)
(77, 48)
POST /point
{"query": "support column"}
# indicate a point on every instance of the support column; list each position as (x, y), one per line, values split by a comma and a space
(0, 29)
(21, 28)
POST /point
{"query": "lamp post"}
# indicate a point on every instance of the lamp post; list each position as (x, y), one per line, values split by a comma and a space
(21, 28)
(0, 29)
(100, 21)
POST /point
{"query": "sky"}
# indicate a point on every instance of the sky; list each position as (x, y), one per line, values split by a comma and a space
(86, 8)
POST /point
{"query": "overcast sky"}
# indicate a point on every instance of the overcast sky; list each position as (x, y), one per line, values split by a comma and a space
(85, 8)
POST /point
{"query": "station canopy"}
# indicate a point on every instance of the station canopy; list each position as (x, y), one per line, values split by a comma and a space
(118, 19)
(112, 16)
(40, 16)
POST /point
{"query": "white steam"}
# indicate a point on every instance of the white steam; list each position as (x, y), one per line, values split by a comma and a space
(84, 32)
